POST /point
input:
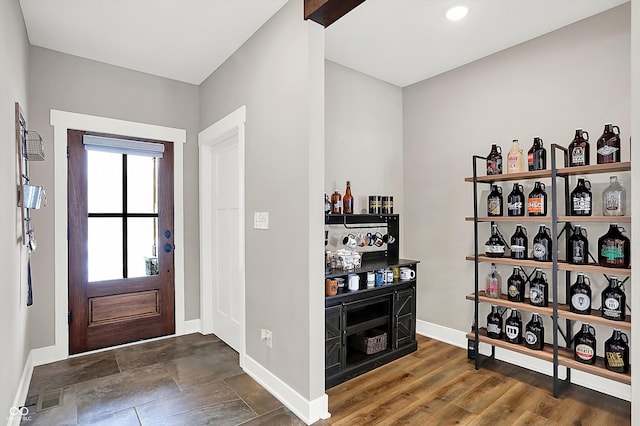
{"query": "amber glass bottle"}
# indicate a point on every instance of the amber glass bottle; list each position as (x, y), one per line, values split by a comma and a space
(347, 200)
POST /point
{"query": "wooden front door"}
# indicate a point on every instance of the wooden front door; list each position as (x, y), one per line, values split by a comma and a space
(121, 262)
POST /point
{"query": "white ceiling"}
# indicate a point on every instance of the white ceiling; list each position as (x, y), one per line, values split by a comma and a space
(399, 41)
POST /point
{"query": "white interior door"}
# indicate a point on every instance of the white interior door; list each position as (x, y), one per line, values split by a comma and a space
(222, 232)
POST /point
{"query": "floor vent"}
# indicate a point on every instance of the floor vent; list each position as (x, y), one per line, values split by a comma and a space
(49, 399)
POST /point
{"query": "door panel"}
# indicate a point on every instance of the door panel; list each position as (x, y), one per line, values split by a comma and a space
(112, 299)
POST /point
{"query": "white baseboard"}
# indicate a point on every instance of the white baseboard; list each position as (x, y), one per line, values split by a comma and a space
(308, 411)
(459, 338)
(192, 326)
(23, 389)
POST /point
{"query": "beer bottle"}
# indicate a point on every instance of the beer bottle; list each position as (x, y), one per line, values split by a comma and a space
(515, 158)
(494, 283)
(537, 158)
(513, 328)
(347, 200)
(579, 149)
(515, 201)
(614, 301)
(494, 323)
(616, 352)
(520, 243)
(515, 285)
(614, 249)
(584, 346)
(581, 198)
(494, 160)
(609, 145)
(543, 245)
(539, 289)
(534, 333)
(495, 245)
(495, 201)
(614, 198)
(578, 246)
(537, 202)
(336, 203)
(580, 295)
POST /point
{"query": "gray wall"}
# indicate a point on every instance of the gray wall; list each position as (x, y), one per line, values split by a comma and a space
(64, 82)
(277, 74)
(363, 136)
(577, 76)
(14, 325)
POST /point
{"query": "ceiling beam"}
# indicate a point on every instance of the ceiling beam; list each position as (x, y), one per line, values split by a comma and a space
(326, 12)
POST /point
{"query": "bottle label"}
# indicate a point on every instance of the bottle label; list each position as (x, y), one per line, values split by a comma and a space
(493, 328)
(536, 205)
(577, 156)
(493, 288)
(612, 201)
(607, 150)
(517, 248)
(614, 359)
(531, 337)
(611, 252)
(611, 308)
(493, 206)
(513, 291)
(581, 302)
(584, 352)
(611, 303)
(512, 331)
(536, 296)
(530, 159)
(513, 164)
(494, 249)
(578, 253)
(582, 204)
(539, 251)
(515, 206)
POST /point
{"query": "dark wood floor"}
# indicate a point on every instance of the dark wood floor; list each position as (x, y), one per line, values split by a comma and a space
(437, 385)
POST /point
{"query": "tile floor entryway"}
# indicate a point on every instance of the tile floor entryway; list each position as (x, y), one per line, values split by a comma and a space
(185, 380)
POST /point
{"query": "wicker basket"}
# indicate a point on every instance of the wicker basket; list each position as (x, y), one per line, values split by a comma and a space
(369, 342)
(35, 147)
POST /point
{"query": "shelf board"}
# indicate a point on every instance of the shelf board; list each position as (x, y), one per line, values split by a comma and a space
(565, 171)
(504, 301)
(366, 325)
(595, 318)
(565, 358)
(547, 219)
(546, 354)
(562, 266)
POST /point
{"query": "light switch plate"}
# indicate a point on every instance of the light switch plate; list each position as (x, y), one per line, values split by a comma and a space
(261, 220)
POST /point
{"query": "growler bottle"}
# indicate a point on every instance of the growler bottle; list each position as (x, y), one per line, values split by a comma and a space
(614, 301)
(494, 323)
(495, 246)
(539, 289)
(537, 158)
(515, 285)
(580, 295)
(581, 198)
(515, 201)
(471, 343)
(495, 201)
(614, 198)
(515, 158)
(616, 352)
(336, 203)
(609, 145)
(519, 243)
(537, 203)
(578, 246)
(543, 245)
(494, 283)
(494, 160)
(513, 328)
(534, 333)
(579, 149)
(614, 249)
(347, 200)
(584, 345)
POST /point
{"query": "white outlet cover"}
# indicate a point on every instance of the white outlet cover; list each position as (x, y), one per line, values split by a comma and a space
(261, 220)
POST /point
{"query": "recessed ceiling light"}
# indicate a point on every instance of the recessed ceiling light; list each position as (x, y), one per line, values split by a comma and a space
(456, 13)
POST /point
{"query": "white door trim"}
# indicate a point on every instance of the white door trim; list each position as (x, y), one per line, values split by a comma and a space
(232, 124)
(61, 122)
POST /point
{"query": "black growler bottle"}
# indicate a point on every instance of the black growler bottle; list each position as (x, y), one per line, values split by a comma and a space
(516, 201)
(581, 198)
(614, 301)
(616, 352)
(539, 289)
(515, 285)
(579, 149)
(520, 243)
(513, 328)
(494, 160)
(494, 324)
(614, 249)
(471, 343)
(584, 345)
(495, 201)
(578, 246)
(495, 245)
(534, 333)
(608, 145)
(580, 295)
(537, 201)
(537, 158)
(543, 245)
